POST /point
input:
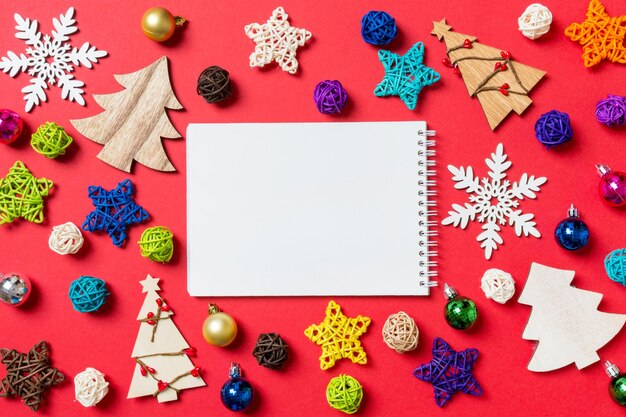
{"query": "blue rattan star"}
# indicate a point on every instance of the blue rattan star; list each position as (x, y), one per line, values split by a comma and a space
(449, 372)
(115, 211)
(405, 75)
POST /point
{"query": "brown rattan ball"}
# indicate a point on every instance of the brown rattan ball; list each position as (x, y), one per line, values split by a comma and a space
(214, 84)
(400, 332)
(270, 350)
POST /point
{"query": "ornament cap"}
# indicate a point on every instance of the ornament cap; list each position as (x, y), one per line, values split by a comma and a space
(602, 169)
(572, 211)
(235, 371)
(180, 21)
(449, 292)
(611, 369)
(213, 308)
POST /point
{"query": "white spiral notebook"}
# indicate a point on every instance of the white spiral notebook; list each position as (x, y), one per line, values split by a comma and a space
(294, 209)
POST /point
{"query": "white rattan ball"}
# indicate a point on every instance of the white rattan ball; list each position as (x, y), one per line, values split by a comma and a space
(400, 332)
(535, 21)
(90, 387)
(66, 239)
(498, 285)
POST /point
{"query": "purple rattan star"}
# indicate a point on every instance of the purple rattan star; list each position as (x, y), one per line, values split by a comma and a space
(115, 211)
(449, 372)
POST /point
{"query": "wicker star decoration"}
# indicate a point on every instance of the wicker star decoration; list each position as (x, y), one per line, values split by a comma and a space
(338, 336)
(21, 195)
(449, 372)
(115, 211)
(28, 374)
(276, 40)
(601, 36)
(405, 75)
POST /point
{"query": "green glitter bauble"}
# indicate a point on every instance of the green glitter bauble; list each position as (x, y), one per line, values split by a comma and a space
(617, 389)
(461, 313)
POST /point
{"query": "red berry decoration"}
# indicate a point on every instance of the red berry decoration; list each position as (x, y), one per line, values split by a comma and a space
(447, 63)
(190, 351)
(162, 385)
(505, 54)
(195, 371)
(504, 89)
(467, 44)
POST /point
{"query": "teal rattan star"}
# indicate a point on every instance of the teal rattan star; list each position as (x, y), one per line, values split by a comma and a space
(405, 75)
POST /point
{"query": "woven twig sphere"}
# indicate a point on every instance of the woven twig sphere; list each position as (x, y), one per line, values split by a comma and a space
(88, 294)
(66, 239)
(90, 387)
(344, 393)
(611, 111)
(330, 97)
(50, 140)
(214, 84)
(157, 244)
(535, 21)
(400, 332)
(553, 128)
(615, 265)
(378, 28)
(498, 285)
(270, 350)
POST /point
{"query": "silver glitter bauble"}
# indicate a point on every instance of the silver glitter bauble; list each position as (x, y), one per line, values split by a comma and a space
(14, 288)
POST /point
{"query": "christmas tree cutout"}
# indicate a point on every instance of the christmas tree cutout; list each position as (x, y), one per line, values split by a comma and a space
(134, 120)
(500, 83)
(565, 320)
(161, 354)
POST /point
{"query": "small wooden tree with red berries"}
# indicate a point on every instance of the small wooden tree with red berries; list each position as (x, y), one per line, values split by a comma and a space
(500, 83)
(161, 354)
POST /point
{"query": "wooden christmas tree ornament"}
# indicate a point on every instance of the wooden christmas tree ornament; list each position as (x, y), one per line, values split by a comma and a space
(134, 120)
(564, 320)
(500, 83)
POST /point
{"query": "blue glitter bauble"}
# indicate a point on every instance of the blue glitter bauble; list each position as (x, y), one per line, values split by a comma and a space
(572, 234)
(236, 394)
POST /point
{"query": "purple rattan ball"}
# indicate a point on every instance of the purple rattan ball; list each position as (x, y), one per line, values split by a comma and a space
(330, 97)
(611, 111)
(553, 128)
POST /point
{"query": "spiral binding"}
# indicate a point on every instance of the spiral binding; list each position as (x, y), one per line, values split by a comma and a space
(427, 209)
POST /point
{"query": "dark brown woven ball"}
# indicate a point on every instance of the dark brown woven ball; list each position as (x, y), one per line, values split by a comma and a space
(214, 84)
(270, 350)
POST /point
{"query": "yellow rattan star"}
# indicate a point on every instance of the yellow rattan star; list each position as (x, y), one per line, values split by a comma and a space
(601, 36)
(338, 336)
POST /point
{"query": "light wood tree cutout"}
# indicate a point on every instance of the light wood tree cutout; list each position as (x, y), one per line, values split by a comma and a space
(565, 320)
(134, 120)
(500, 83)
(161, 354)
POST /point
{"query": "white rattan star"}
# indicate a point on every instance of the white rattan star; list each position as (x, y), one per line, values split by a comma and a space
(494, 200)
(49, 59)
(276, 40)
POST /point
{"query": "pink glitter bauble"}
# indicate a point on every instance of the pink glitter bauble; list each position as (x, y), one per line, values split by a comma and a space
(612, 186)
(11, 125)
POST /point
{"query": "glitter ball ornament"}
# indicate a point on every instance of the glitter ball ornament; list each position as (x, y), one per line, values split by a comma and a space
(344, 393)
(617, 386)
(11, 126)
(572, 233)
(330, 97)
(159, 24)
(498, 285)
(460, 312)
(615, 266)
(14, 288)
(270, 350)
(157, 244)
(611, 111)
(214, 84)
(50, 140)
(535, 21)
(612, 185)
(88, 294)
(236, 393)
(90, 387)
(219, 329)
(378, 28)
(400, 332)
(553, 128)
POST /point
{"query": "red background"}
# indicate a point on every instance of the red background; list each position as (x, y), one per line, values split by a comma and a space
(215, 36)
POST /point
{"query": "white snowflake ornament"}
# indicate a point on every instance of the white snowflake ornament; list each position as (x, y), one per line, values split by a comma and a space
(49, 59)
(494, 201)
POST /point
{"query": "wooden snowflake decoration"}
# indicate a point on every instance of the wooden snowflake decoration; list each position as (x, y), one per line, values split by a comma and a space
(494, 201)
(338, 336)
(601, 36)
(276, 40)
(50, 59)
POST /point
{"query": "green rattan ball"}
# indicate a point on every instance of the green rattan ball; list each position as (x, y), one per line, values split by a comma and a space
(344, 393)
(157, 243)
(50, 140)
